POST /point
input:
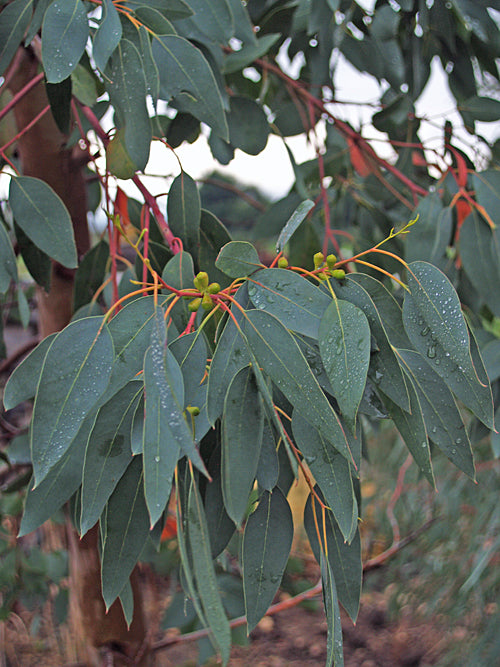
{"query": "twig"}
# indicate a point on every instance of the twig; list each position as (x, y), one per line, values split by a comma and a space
(237, 191)
(241, 620)
(379, 560)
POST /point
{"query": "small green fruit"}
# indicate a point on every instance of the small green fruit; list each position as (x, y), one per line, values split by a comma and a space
(318, 258)
(339, 274)
(283, 263)
(331, 261)
(193, 410)
(201, 281)
(194, 305)
(213, 288)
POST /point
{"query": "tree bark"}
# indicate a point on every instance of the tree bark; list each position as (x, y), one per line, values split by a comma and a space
(43, 154)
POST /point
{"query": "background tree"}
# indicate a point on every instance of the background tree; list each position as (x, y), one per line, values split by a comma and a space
(192, 371)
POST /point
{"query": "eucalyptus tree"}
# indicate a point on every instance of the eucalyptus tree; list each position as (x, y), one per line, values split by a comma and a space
(179, 373)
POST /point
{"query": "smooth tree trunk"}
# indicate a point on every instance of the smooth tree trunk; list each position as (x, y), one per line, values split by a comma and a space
(44, 155)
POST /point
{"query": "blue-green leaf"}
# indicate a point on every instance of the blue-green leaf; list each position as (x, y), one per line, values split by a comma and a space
(126, 530)
(344, 558)
(14, 21)
(107, 35)
(435, 325)
(331, 472)
(108, 452)
(443, 421)
(238, 259)
(59, 485)
(184, 70)
(74, 376)
(206, 581)
(267, 541)
(242, 428)
(297, 303)
(292, 224)
(184, 210)
(281, 359)
(344, 343)
(23, 381)
(8, 266)
(126, 85)
(44, 218)
(65, 31)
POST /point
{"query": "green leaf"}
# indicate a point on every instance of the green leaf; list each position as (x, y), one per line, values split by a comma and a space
(14, 23)
(344, 343)
(59, 96)
(484, 109)
(268, 466)
(44, 218)
(436, 327)
(23, 381)
(130, 330)
(107, 36)
(388, 308)
(37, 262)
(59, 485)
(480, 255)
(173, 9)
(74, 376)
(334, 655)
(237, 60)
(292, 224)
(184, 210)
(213, 235)
(160, 448)
(433, 230)
(126, 530)
(230, 356)
(296, 302)
(108, 453)
(443, 421)
(90, 274)
(267, 541)
(126, 85)
(179, 273)
(8, 266)
(214, 19)
(242, 429)
(190, 351)
(344, 559)
(127, 603)
(331, 472)
(155, 21)
(280, 357)
(184, 69)
(412, 428)
(248, 126)
(164, 375)
(65, 31)
(220, 527)
(238, 259)
(206, 581)
(384, 366)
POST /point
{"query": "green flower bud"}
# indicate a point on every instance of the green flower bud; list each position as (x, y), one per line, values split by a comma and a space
(318, 258)
(213, 288)
(194, 305)
(201, 281)
(282, 263)
(193, 410)
(338, 273)
(331, 260)
(206, 302)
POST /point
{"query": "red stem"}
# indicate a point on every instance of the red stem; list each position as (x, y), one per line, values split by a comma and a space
(20, 94)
